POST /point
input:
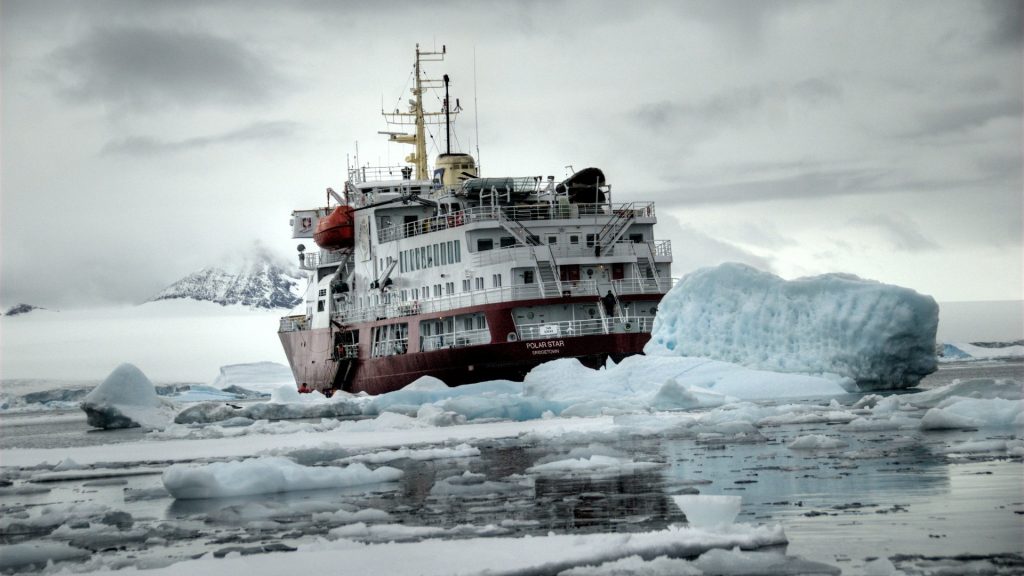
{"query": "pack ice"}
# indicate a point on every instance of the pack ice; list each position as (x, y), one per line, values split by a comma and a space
(126, 399)
(879, 335)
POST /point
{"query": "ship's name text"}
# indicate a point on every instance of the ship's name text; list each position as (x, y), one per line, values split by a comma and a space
(540, 347)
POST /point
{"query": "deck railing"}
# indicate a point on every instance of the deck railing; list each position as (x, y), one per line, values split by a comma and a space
(533, 212)
(570, 328)
(450, 302)
(643, 285)
(455, 339)
(293, 324)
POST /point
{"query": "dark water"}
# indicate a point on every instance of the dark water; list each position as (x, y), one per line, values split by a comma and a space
(902, 498)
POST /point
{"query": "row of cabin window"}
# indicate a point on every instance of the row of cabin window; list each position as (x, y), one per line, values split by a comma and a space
(484, 244)
(440, 254)
(449, 288)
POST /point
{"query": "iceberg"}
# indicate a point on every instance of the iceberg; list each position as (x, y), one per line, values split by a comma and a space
(126, 399)
(878, 335)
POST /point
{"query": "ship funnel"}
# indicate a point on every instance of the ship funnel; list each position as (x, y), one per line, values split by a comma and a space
(452, 169)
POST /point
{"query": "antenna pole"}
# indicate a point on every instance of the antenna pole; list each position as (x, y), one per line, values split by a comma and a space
(447, 118)
(476, 114)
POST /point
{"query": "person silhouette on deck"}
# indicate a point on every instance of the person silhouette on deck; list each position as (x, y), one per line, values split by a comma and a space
(609, 303)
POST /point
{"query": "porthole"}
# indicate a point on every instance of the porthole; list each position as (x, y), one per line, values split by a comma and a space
(512, 337)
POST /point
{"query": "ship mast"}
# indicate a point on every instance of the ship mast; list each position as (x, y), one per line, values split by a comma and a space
(416, 116)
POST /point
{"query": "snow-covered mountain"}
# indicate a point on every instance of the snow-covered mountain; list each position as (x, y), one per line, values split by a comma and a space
(258, 279)
(21, 309)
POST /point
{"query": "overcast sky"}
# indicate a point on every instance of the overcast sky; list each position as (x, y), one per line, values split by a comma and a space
(144, 140)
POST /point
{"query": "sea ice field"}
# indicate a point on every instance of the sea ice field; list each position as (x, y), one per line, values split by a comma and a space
(770, 427)
(924, 481)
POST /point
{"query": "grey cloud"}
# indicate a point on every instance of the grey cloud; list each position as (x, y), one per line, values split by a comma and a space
(727, 107)
(810, 184)
(964, 117)
(145, 145)
(1007, 22)
(144, 68)
(899, 229)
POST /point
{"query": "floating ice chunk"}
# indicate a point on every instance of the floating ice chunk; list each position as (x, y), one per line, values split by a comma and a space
(596, 463)
(879, 335)
(37, 554)
(400, 533)
(707, 511)
(264, 476)
(939, 419)
(816, 442)
(345, 517)
(126, 399)
(980, 388)
(735, 561)
(978, 447)
(460, 451)
(264, 377)
(660, 566)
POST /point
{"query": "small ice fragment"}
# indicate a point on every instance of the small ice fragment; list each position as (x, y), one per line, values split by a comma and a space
(705, 511)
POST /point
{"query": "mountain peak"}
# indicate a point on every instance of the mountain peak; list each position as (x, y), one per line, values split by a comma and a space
(256, 278)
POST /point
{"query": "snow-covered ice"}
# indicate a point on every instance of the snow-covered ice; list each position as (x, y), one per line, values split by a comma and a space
(126, 399)
(882, 336)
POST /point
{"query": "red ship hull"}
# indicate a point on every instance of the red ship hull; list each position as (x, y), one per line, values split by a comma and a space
(309, 353)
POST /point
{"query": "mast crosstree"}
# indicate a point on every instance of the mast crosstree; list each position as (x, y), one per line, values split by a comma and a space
(417, 117)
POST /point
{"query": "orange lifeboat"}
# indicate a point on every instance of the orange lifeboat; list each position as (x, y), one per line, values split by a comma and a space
(337, 230)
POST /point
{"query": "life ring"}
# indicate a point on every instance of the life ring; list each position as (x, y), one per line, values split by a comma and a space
(458, 218)
(451, 220)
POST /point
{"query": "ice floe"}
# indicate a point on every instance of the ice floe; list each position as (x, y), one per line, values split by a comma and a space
(264, 476)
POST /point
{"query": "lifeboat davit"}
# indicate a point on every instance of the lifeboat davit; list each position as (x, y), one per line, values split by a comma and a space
(337, 230)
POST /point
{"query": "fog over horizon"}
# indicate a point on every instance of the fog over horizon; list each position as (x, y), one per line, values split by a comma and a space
(144, 141)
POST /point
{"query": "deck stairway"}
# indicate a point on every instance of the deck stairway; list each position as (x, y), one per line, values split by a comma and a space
(547, 271)
(650, 281)
(615, 228)
(516, 228)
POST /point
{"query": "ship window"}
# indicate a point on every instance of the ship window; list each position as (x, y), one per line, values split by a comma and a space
(458, 252)
(479, 282)
(552, 239)
(527, 276)
(496, 280)
(574, 239)
(481, 322)
(591, 240)
(449, 288)
(437, 259)
(323, 292)
(507, 241)
(465, 285)
(320, 306)
(401, 261)
(437, 290)
(444, 254)
(636, 238)
(484, 244)
(467, 323)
